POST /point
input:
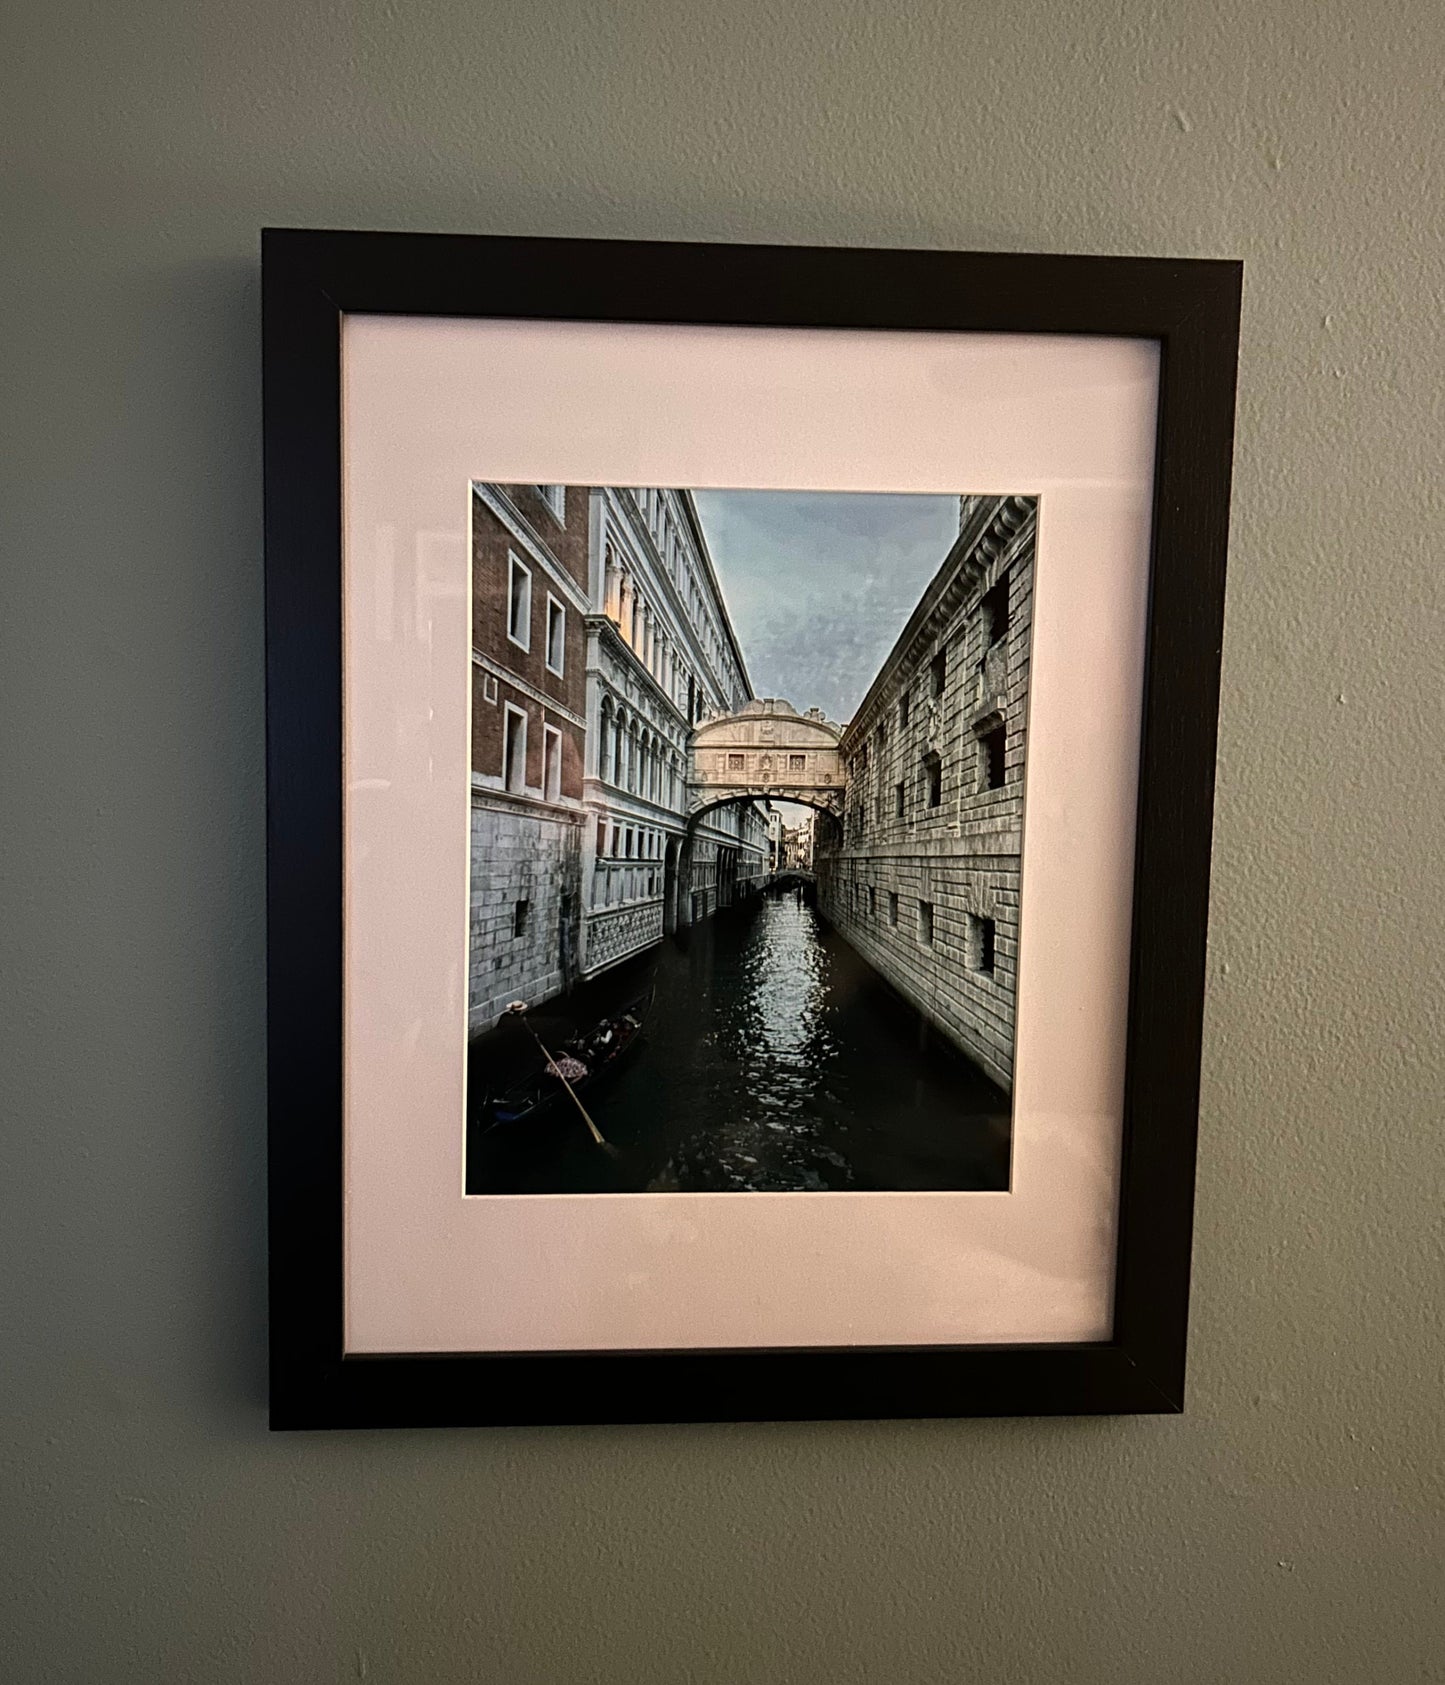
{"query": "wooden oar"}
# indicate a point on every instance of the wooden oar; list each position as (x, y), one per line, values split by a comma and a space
(519, 1009)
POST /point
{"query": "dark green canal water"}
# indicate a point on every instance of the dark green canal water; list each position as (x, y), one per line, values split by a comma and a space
(773, 1060)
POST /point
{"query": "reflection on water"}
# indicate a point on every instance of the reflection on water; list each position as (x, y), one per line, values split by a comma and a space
(772, 1061)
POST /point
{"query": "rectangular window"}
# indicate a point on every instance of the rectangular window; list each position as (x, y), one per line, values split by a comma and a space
(939, 672)
(627, 846)
(556, 635)
(933, 779)
(519, 603)
(551, 763)
(925, 923)
(991, 746)
(892, 908)
(995, 613)
(514, 748)
(489, 687)
(978, 953)
(899, 798)
(555, 497)
(872, 902)
(903, 709)
(519, 917)
(797, 763)
(736, 763)
(601, 838)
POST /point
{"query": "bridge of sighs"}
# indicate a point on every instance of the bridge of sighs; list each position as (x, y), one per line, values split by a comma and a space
(770, 752)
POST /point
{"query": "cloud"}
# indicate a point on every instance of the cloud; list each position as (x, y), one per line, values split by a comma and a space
(819, 584)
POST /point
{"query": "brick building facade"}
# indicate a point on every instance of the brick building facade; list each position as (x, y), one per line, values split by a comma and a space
(924, 879)
(599, 639)
(530, 547)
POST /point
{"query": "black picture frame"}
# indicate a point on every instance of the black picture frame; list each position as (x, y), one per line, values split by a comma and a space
(310, 281)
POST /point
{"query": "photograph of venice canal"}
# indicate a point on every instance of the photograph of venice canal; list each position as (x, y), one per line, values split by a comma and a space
(747, 780)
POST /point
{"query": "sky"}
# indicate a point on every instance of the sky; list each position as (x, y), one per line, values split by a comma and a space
(820, 584)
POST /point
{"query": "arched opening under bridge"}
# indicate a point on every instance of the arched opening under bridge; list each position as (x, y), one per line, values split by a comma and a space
(688, 902)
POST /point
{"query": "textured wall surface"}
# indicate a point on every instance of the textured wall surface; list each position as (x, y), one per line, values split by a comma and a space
(930, 848)
(1285, 1529)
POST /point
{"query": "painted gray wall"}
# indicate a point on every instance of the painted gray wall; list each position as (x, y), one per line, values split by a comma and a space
(1286, 1529)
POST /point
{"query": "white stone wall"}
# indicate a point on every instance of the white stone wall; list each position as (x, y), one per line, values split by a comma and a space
(520, 853)
(911, 890)
(973, 1009)
(770, 748)
(660, 655)
(616, 932)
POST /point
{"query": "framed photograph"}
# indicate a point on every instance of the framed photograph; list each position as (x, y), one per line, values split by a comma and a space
(741, 731)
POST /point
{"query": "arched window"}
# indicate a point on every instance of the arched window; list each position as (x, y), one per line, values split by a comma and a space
(619, 749)
(604, 736)
(612, 589)
(632, 741)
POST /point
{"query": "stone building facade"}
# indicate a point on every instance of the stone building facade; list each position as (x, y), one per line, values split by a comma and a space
(530, 560)
(924, 879)
(770, 748)
(797, 844)
(661, 657)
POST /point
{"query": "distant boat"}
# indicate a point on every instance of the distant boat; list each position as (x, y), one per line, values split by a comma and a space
(585, 1061)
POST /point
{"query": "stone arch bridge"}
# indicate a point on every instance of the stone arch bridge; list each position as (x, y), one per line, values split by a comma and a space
(767, 751)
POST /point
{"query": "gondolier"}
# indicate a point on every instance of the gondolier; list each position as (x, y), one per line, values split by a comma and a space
(574, 1068)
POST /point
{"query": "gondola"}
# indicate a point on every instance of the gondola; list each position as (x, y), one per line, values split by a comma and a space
(585, 1060)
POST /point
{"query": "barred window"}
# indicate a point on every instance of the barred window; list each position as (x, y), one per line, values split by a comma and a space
(995, 613)
(979, 944)
(991, 746)
(925, 923)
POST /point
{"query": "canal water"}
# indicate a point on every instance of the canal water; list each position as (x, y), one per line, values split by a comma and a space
(773, 1059)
